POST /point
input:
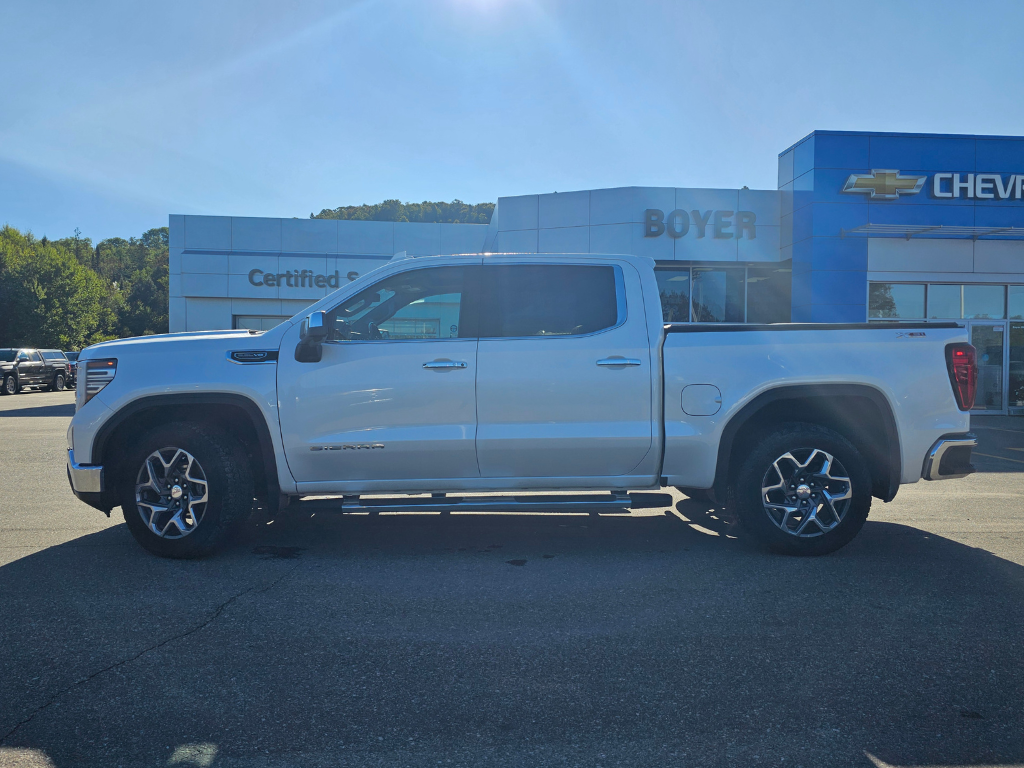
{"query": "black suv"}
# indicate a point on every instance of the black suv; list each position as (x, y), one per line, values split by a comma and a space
(22, 368)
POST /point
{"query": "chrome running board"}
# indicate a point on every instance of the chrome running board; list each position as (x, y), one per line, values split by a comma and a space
(439, 502)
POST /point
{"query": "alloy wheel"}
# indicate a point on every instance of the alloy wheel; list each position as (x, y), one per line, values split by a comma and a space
(171, 493)
(806, 493)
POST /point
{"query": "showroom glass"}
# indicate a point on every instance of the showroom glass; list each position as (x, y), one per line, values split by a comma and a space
(943, 301)
(1016, 365)
(1015, 302)
(985, 301)
(717, 295)
(895, 300)
(521, 300)
(674, 289)
(769, 294)
(418, 304)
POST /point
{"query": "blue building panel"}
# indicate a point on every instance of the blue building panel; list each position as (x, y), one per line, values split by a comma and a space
(785, 168)
(829, 219)
(1000, 155)
(992, 216)
(925, 215)
(930, 153)
(841, 150)
(828, 287)
(803, 156)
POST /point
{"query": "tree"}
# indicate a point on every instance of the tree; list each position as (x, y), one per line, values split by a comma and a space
(48, 298)
(455, 212)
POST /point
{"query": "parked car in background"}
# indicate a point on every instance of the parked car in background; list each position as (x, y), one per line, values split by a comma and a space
(73, 367)
(32, 368)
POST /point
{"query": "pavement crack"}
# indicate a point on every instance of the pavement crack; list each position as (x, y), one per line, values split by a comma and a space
(92, 676)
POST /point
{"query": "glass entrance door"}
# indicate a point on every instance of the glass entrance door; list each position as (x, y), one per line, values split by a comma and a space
(1016, 386)
(990, 341)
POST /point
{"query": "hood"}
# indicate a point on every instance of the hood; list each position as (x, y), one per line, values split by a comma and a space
(228, 340)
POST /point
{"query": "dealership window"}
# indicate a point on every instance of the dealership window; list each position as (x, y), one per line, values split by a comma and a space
(769, 294)
(944, 302)
(1016, 302)
(258, 322)
(730, 295)
(674, 287)
(898, 301)
(987, 302)
(717, 295)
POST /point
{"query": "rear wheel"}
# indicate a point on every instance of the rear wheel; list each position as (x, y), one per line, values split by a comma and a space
(10, 385)
(183, 486)
(802, 489)
(58, 383)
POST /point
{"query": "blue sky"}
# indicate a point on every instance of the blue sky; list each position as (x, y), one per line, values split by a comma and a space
(114, 114)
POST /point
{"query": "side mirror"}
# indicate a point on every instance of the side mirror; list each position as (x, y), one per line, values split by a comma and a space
(312, 333)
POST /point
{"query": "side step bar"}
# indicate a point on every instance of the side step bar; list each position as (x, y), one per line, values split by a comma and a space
(439, 502)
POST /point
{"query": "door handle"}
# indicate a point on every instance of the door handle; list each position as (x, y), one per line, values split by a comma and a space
(623, 361)
(445, 364)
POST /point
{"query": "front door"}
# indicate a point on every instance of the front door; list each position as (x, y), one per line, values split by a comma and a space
(564, 379)
(989, 339)
(393, 397)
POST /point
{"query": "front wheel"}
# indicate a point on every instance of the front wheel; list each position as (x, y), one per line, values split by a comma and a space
(10, 385)
(183, 486)
(802, 489)
(58, 383)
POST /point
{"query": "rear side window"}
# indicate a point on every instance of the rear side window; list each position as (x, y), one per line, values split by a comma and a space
(522, 300)
(53, 355)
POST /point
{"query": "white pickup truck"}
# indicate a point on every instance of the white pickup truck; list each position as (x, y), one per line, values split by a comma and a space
(432, 382)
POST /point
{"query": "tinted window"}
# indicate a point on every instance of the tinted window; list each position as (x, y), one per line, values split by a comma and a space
(8, 355)
(418, 304)
(36, 357)
(717, 295)
(71, 355)
(547, 300)
(943, 301)
(53, 355)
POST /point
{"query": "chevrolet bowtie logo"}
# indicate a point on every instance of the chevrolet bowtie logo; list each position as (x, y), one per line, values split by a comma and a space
(884, 184)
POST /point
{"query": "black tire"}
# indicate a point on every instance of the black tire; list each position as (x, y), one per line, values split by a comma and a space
(757, 469)
(229, 486)
(10, 385)
(58, 383)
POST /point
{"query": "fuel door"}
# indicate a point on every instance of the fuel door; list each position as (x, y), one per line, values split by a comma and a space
(701, 400)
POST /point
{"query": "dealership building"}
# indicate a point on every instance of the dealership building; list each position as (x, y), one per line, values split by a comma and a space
(862, 227)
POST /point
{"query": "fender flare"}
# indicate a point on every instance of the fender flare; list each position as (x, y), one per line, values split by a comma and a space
(250, 408)
(894, 455)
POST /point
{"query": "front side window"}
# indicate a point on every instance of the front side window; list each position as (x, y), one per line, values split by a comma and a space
(416, 305)
(521, 300)
(36, 357)
(895, 300)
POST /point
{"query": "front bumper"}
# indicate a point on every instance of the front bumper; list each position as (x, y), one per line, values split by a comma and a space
(88, 484)
(950, 457)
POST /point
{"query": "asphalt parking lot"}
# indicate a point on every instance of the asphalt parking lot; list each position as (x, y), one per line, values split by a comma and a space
(509, 640)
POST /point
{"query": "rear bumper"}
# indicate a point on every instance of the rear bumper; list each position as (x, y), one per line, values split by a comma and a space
(950, 457)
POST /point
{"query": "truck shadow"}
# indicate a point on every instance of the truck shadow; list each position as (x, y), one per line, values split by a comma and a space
(405, 639)
(63, 409)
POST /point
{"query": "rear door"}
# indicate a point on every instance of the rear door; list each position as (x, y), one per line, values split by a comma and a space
(36, 367)
(564, 370)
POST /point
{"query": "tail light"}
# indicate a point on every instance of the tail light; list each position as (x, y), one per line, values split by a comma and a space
(962, 363)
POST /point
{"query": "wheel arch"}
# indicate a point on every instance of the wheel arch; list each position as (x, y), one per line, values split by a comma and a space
(859, 412)
(236, 413)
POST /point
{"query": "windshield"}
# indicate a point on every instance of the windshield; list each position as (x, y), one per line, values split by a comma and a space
(71, 355)
(8, 355)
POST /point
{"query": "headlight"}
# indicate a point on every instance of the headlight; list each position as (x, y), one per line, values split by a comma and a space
(98, 373)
